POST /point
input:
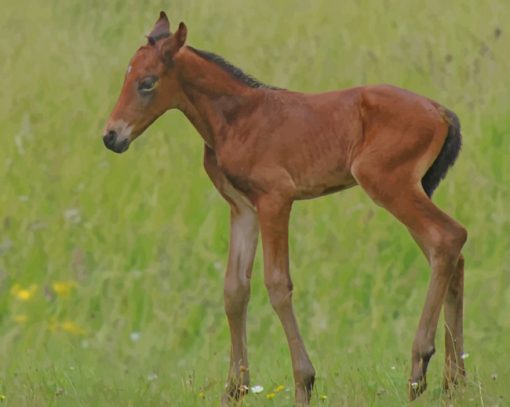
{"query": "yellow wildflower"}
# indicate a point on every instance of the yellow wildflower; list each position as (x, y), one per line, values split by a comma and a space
(201, 394)
(20, 318)
(2, 397)
(72, 328)
(279, 388)
(23, 294)
(63, 288)
(323, 397)
(270, 395)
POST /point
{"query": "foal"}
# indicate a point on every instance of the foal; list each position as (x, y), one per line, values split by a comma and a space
(266, 147)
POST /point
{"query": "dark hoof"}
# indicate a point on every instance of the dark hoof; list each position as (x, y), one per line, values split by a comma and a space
(233, 393)
(452, 380)
(416, 388)
(304, 393)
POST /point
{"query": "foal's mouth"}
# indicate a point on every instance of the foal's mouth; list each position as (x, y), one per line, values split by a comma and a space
(119, 148)
(113, 142)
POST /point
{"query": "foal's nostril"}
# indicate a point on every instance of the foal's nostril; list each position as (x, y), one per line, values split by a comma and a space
(110, 138)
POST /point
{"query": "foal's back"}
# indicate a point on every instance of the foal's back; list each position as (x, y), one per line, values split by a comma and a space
(305, 144)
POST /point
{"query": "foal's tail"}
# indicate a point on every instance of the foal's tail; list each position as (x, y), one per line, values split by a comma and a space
(446, 157)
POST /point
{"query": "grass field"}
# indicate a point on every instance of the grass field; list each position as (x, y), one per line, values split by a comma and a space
(111, 266)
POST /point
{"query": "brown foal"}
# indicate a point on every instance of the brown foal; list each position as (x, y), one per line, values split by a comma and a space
(266, 147)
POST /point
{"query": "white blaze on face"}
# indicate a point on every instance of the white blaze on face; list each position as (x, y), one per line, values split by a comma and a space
(128, 69)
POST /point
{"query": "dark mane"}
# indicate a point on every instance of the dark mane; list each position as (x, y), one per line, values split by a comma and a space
(234, 71)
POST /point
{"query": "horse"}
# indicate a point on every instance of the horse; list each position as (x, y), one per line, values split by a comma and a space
(265, 147)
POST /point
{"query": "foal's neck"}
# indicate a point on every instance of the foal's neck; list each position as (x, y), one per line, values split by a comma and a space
(213, 99)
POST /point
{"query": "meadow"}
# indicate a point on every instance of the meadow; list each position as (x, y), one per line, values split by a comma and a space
(111, 267)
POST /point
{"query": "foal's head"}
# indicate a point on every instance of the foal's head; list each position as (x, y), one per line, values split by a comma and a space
(150, 86)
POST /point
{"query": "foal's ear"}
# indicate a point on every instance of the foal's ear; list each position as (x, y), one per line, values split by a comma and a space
(170, 46)
(181, 34)
(161, 29)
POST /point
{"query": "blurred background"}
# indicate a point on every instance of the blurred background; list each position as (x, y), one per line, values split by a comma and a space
(111, 267)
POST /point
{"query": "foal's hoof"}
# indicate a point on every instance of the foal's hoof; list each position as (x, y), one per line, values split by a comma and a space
(233, 393)
(416, 388)
(304, 392)
(452, 380)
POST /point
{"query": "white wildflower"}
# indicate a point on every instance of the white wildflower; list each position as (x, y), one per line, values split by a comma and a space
(257, 389)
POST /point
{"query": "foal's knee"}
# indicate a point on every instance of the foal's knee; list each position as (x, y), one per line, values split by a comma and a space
(279, 288)
(236, 295)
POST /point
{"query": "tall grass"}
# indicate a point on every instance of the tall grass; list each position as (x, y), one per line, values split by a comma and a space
(111, 266)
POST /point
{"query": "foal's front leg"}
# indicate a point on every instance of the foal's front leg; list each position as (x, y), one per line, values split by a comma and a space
(274, 222)
(243, 243)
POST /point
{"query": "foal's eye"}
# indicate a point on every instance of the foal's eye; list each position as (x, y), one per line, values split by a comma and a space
(147, 84)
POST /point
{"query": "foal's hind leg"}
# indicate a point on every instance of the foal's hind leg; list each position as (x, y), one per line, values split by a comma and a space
(453, 309)
(441, 239)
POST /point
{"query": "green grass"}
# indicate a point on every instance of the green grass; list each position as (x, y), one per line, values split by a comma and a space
(143, 236)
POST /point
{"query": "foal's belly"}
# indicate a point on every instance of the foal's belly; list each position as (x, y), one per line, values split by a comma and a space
(313, 187)
(320, 166)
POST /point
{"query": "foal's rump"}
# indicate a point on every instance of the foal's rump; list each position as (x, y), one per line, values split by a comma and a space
(403, 129)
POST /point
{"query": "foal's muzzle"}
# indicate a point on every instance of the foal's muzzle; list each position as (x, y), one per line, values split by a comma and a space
(113, 142)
